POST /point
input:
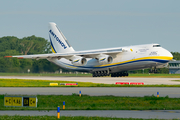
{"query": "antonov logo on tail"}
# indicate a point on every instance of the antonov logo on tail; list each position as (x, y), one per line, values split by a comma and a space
(57, 39)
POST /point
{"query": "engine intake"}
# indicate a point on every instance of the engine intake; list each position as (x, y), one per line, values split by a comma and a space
(106, 59)
(79, 61)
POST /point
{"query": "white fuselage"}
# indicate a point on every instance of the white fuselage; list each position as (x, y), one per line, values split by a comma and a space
(131, 58)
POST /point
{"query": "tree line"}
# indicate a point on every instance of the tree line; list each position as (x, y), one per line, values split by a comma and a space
(11, 45)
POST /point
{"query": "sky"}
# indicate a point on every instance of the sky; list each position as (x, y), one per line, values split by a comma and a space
(95, 24)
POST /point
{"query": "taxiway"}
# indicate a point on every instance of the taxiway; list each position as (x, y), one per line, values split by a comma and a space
(144, 114)
(172, 92)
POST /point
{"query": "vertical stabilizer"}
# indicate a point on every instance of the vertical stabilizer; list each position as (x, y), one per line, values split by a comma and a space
(59, 43)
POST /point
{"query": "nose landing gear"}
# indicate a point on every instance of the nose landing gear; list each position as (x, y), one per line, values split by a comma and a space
(153, 70)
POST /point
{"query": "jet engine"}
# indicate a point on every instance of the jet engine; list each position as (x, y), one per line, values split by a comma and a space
(105, 59)
(79, 61)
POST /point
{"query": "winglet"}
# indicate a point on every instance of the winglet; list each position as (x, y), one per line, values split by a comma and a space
(7, 56)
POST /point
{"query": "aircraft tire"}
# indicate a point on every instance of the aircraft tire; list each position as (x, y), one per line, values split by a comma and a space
(127, 74)
(112, 74)
(94, 75)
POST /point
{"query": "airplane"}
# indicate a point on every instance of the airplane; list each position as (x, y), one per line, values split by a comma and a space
(102, 62)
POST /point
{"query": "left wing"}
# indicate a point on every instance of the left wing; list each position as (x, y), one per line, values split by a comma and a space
(85, 54)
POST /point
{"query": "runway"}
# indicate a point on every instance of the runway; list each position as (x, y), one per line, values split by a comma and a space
(96, 91)
(105, 80)
(145, 114)
(172, 92)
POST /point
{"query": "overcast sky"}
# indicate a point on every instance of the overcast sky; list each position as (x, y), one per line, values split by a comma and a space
(94, 24)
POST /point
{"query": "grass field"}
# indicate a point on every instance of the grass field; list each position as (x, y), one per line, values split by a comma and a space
(46, 74)
(156, 75)
(74, 102)
(5, 117)
(88, 75)
(45, 83)
(41, 83)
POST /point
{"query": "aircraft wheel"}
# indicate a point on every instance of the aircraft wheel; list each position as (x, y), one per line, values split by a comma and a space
(94, 74)
(112, 74)
(127, 74)
(102, 73)
(105, 74)
(119, 75)
(115, 74)
(99, 74)
(150, 71)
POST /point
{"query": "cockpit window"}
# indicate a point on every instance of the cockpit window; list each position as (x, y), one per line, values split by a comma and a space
(156, 45)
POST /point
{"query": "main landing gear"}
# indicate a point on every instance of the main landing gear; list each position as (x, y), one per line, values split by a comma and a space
(119, 74)
(106, 73)
(101, 73)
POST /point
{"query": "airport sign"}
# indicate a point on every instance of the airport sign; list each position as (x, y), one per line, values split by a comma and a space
(20, 101)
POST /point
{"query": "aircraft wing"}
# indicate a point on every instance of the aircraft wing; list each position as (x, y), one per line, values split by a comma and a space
(86, 54)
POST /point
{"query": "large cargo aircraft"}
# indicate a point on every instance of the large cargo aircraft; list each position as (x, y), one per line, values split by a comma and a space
(102, 62)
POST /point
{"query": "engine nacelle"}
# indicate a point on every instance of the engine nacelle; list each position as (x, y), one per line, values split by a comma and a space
(105, 59)
(79, 61)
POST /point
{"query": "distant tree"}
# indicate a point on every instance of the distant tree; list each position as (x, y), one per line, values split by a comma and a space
(4, 65)
(176, 55)
(44, 65)
(11, 45)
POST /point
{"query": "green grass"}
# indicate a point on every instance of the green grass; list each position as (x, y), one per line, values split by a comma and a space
(17, 117)
(74, 102)
(38, 83)
(46, 74)
(156, 75)
(88, 75)
(176, 80)
(45, 83)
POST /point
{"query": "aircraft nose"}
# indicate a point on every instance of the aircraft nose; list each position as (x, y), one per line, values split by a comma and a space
(168, 54)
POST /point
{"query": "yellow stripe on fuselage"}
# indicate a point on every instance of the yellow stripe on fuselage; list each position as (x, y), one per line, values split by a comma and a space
(144, 58)
(70, 66)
